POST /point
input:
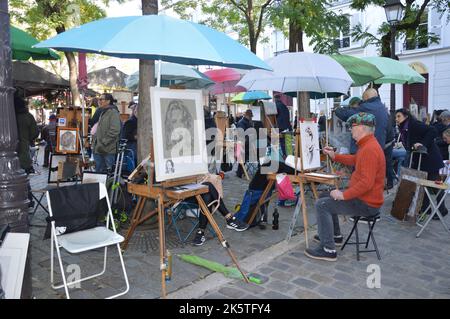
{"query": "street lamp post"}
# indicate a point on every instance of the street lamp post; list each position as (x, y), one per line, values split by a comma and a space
(394, 13)
(13, 180)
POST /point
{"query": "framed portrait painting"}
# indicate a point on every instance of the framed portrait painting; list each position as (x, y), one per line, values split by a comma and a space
(67, 141)
(178, 133)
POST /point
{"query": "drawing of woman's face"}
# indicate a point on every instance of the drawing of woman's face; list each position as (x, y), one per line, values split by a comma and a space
(177, 118)
(68, 141)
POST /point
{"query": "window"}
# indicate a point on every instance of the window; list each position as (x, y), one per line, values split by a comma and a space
(418, 38)
(344, 39)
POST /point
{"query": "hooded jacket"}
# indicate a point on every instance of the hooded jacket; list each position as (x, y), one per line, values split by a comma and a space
(107, 135)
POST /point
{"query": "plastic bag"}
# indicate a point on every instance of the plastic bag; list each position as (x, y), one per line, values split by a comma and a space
(284, 188)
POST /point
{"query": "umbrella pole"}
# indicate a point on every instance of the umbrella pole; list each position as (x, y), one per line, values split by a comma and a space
(326, 129)
(158, 78)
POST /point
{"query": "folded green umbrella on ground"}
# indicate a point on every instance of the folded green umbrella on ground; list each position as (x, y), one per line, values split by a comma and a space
(231, 272)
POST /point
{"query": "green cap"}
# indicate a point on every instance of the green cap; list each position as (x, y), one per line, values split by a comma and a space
(361, 118)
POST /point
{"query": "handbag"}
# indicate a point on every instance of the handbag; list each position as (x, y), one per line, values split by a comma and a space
(284, 188)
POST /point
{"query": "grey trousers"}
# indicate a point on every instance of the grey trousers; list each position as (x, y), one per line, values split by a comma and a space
(328, 210)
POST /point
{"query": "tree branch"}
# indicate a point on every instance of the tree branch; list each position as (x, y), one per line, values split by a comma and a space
(240, 7)
(261, 14)
(416, 22)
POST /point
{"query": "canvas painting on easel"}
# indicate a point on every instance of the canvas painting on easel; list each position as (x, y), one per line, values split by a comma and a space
(310, 150)
(178, 133)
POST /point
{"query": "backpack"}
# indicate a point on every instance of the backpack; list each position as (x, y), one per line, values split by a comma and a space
(249, 202)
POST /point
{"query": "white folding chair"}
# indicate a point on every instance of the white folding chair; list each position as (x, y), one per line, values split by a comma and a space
(434, 204)
(84, 240)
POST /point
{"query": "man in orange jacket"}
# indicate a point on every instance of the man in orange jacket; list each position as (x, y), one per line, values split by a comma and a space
(363, 197)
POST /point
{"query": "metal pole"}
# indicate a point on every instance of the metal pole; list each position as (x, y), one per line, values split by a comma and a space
(13, 180)
(393, 31)
(158, 79)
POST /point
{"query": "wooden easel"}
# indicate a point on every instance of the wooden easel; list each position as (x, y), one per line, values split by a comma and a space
(165, 195)
(300, 178)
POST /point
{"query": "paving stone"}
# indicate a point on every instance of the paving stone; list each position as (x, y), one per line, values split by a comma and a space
(306, 283)
(284, 276)
(321, 279)
(250, 287)
(231, 292)
(280, 286)
(330, 292)
(344, 277)
(275, 295)
(307, 294)
(266, 270)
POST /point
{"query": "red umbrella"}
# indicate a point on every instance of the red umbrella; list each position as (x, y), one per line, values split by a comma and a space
(226, 80)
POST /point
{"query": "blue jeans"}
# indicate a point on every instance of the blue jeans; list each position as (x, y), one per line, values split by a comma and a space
(104, 162)
(328, 209)
(399, 154)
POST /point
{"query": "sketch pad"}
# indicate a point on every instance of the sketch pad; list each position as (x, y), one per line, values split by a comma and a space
(329, 176)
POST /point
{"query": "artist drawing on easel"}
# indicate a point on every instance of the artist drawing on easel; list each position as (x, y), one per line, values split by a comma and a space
(309, 134)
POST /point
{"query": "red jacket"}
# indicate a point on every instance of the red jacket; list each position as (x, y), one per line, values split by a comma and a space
(367, 181)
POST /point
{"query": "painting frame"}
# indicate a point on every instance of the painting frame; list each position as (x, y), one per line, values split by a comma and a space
(67, 140)
(309, 144)
(179, 138)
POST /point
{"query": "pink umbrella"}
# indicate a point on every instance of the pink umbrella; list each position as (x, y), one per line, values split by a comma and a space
(226, 80)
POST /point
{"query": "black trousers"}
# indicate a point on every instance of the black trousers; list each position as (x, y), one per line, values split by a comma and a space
(209, 197)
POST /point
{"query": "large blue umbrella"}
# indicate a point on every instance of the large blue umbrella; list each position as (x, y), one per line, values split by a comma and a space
(175, 74)
(156, 37)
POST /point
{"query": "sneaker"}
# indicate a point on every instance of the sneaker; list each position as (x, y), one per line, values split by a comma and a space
(321, 254)
(338, 240)
(236, 224)
(199, 238)
(364, 219)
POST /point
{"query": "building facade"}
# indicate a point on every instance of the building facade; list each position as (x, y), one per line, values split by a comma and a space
(432, 60)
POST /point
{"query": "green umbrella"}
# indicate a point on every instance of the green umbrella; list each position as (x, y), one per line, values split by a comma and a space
(361, 71)
(231, 272)
(395, 71)
(250, 97)
(22, 47)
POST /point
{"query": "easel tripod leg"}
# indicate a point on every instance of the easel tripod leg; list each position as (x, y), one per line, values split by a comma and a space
(219, 234)
(304, 212)
(134, 221)
(162, 245)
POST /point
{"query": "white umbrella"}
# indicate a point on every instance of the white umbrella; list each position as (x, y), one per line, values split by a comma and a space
(299, 72)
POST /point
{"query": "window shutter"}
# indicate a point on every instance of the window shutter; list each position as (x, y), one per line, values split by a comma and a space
(435, 25)
(354, 20)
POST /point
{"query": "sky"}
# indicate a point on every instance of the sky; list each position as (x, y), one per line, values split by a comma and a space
(129, 8)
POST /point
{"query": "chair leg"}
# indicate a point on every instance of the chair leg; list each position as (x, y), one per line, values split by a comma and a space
(357, 241)
(351, 232)
(371, 225)
(375, 246)
(124, 275)
(62, 269)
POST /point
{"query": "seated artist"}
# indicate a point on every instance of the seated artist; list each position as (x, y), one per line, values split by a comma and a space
(363, 197)
(211, 197)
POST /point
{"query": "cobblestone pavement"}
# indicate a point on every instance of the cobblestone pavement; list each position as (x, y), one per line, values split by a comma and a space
(142, 256)
(410, 267)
